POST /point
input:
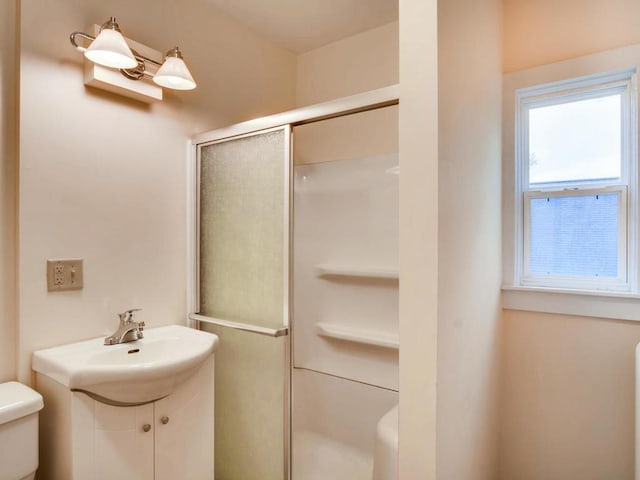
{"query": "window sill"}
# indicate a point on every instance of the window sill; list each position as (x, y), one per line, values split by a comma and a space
(600, 304)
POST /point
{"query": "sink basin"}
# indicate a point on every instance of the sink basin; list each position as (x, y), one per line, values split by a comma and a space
(128, 373)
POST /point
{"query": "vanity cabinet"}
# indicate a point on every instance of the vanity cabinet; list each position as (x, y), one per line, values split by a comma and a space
(110, 442)
(169, 439)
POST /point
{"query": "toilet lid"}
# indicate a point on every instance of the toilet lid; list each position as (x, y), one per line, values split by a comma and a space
(18, 400)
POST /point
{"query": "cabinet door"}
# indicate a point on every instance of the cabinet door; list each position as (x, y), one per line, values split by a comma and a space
(123, 450)
(184, 429)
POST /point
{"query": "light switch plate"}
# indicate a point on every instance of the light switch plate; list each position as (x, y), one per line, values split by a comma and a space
(64, 275)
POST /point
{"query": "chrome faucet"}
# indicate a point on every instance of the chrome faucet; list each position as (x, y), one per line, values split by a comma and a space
(128, 331)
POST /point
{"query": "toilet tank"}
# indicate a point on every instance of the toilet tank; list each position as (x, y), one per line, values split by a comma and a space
(19, 407)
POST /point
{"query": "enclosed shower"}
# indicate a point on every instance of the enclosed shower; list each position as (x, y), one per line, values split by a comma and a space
(295, 267)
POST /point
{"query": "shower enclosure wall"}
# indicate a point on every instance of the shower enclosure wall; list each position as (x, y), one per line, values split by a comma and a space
(295, 268)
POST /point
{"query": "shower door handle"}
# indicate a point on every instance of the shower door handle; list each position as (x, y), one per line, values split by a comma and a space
(270, 332)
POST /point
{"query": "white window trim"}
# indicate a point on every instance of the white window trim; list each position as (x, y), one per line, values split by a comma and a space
(616, 306)
(597, 302)
(591, 86)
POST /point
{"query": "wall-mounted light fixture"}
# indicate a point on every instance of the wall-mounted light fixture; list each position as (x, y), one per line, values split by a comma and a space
(110, 49)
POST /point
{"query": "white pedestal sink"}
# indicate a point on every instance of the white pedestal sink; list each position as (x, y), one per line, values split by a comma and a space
(140, 410)
(128, 373)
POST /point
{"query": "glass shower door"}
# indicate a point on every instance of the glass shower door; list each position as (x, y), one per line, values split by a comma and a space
(243, 297)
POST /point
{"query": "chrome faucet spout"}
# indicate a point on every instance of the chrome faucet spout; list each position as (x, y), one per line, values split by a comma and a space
(128, 331)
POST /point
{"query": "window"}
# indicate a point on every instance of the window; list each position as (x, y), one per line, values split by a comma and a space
(576, 184)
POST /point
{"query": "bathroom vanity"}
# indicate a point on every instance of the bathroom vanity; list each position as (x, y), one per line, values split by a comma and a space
(86, 435)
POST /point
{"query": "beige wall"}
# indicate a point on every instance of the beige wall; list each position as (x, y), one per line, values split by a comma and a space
(356, 64)
(469, 238)
(569, 398)
(418, 237)
(568, 392)
(544, 31)
(8, 144)
(103, 177)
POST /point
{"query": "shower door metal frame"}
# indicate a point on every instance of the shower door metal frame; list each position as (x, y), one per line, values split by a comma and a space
(371, 100)
(362, 102)
(194, 307)
(193, 289)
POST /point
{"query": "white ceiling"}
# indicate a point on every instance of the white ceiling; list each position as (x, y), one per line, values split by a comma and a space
(302, 25)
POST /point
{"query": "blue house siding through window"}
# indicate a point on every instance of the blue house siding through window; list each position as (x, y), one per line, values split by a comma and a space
(574, 235)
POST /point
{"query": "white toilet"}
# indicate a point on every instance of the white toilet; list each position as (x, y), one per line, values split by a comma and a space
(385, 458)
(19, 407)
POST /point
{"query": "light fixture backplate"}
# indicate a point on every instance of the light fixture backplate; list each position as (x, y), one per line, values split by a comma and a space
(111, 80)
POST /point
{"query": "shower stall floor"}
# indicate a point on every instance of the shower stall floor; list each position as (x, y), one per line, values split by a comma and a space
(319, 457)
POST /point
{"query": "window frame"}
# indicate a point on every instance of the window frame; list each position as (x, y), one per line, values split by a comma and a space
(618, 283)
(622, 82)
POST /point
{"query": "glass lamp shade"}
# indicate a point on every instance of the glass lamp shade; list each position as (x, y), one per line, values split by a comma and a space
(111, 50)
(174, 74)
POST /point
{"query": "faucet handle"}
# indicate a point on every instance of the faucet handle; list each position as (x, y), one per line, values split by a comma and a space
(127, 315)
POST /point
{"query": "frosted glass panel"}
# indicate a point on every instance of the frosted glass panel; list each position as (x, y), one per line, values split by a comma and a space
(243, 278)
(242, 206)
(251, 374)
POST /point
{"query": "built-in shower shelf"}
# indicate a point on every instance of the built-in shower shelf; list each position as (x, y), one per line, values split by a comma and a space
(333, 270)
(358, 335)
